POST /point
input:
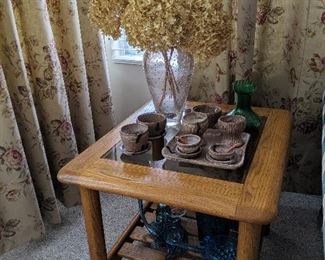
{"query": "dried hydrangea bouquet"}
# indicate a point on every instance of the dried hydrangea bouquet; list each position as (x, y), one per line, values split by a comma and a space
(171, 32)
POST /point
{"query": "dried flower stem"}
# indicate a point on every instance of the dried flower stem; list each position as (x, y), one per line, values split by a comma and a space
(164, 90)
(171, 72)
(169, 78)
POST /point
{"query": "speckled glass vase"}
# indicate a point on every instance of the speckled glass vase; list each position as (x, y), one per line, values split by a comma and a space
(169, 77)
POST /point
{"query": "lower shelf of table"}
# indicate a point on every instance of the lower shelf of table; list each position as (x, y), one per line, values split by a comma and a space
(135, 242)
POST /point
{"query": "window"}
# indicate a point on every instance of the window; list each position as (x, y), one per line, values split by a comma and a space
(122, 52)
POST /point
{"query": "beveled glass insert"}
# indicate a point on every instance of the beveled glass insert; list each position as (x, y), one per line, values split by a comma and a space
(153, 158)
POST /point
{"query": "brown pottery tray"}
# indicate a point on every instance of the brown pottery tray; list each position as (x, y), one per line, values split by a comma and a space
(210, 137)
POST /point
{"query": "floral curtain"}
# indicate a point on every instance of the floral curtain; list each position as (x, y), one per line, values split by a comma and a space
(281, 46)
(54, 102)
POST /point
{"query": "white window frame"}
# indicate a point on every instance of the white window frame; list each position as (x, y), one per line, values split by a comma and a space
(122, 52)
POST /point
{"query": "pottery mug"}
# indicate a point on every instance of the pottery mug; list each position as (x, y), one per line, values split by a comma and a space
(213, 113)
(194, 123)
(155, 121)
(231, 127)
(135, 137)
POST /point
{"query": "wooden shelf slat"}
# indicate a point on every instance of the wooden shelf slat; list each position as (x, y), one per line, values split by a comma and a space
(188, 224)
(137, 233)
(140, 252)
(119, 242)
(141, 234)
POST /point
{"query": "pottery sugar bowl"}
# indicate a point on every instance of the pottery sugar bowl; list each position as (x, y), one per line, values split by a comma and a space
(221, 152)
(194, 123)
(188, 143)
(213, 113)
(134, 137)
(156, 123)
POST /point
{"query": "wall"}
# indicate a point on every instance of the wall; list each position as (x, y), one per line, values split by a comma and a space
(128, 85)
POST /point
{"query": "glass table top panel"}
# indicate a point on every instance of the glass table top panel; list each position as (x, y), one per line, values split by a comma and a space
(153, 158)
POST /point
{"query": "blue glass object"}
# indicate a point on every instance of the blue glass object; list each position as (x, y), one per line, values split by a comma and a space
(219, 248)
(215, 236)
(169, 233)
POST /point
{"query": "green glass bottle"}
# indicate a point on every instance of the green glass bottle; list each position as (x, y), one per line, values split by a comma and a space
(244, 89)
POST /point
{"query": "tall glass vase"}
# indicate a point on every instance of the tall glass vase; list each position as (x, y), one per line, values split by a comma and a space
(169, 77)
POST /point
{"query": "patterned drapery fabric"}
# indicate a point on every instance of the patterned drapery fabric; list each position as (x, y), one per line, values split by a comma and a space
(280, 44)
(323, 169)
(54, 102)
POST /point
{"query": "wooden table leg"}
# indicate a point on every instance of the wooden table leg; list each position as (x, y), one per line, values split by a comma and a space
(248, 241)
(94, 224)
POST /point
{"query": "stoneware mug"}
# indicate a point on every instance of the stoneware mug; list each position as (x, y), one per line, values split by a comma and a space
(213, 113)
(134, 137)
(155, 121)
(231, 127)
(194, 123)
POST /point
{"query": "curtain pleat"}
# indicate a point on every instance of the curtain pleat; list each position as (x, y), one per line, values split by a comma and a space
(49, 91)
(97, 73)
(11, 57)
(20, 218)
(64, 21)
(55, 99)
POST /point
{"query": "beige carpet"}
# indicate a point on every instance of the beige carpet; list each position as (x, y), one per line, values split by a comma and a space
(294, 234)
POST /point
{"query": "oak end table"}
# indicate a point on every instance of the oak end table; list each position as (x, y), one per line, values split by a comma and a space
(252, 200)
